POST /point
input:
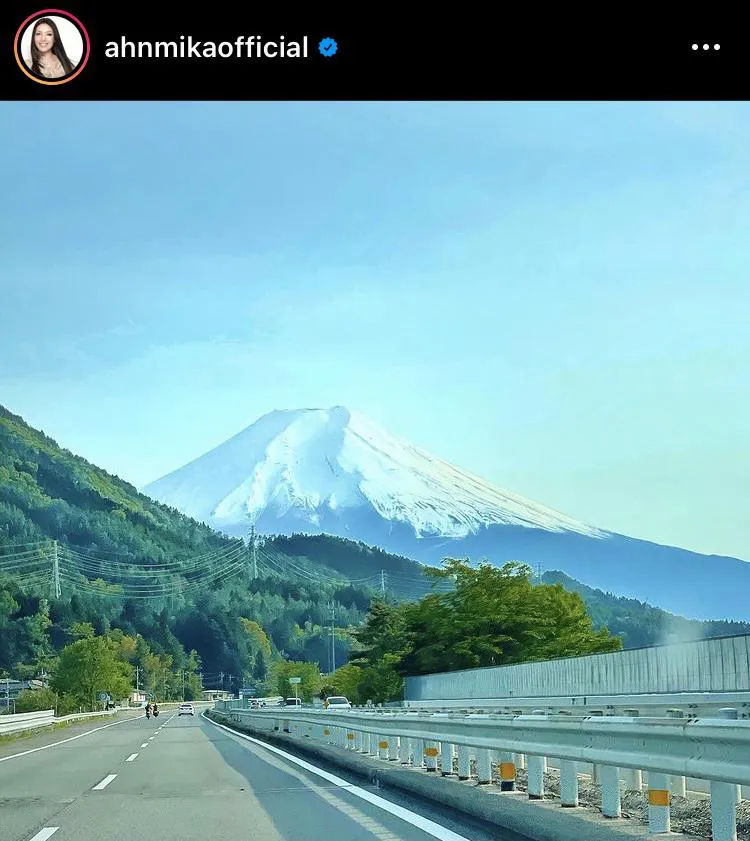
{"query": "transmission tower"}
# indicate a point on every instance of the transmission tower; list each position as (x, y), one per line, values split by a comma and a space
(55, 588)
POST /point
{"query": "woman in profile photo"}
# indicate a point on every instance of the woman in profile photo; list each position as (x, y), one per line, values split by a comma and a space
(48, 56)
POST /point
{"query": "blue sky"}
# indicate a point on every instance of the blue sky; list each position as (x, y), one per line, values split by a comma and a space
(552, 295)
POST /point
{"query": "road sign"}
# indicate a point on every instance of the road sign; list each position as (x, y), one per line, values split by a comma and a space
(295, 680)
(103, 696)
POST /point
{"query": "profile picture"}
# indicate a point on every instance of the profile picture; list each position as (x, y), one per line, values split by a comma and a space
(52, 47)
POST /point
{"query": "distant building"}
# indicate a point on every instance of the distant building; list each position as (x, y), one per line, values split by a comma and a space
(216, 695)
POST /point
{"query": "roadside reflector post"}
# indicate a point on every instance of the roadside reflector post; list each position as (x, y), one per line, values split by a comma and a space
(520, 761)
(406, 751)
(430, 755)
(659, 800)
(536, 777)
(382, 747)
(507, 772)
(484, 767)
(633, 779)
(446, 758)
(349, 739)
(611, 804)
(724, 800)
(464, 762)
(393, 748)
(568, 783)
(419, 753)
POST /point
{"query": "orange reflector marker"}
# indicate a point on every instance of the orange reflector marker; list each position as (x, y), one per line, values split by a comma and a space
(431, 751)
(326, 732)
(507, 771)
(383, 744)
(350, 735)
(658, 797)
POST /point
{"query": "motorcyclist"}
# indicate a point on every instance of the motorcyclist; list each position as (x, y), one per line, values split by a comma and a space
(148, 710)
(156, 710)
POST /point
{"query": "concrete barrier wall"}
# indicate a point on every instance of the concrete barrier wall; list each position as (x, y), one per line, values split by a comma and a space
(715, 665)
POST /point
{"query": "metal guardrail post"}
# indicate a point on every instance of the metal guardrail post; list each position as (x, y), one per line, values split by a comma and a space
(484, 767)
(446, 759)
(611, 803)
(724, 800)
(419, 753)
(568, 783)
(464, 762)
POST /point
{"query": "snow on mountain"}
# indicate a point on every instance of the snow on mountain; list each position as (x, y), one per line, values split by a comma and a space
(292, 468)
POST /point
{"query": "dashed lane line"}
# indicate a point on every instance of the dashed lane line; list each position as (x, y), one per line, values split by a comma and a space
(45, 833)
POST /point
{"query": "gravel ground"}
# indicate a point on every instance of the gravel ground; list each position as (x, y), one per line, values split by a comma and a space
(689, 816)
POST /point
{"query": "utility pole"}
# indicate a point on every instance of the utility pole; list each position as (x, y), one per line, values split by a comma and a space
(56, 592)
(333, 636)
(382, 580)
(221, 677)
(183, 684)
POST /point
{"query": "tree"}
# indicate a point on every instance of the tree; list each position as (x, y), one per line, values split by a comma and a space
(91, 665)
(347, 681)
(309, 686)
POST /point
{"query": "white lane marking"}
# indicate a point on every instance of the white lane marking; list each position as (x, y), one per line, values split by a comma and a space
(104, 783)
(144, 745)
(425, 824)
(131, 757)
(71, 739)
(45, 833)
(150, 738)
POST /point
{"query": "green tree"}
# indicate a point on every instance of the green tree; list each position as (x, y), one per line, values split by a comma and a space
(310, 684)
(347, 681)
(91, 665)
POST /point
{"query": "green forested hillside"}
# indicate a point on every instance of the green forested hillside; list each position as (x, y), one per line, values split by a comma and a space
(639, 624)
(126, 562)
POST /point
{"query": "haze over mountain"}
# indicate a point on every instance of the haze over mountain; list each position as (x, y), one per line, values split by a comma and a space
(333, 471)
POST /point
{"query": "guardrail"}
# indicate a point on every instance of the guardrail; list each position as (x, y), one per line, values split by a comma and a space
(44, 718)
(715, 750)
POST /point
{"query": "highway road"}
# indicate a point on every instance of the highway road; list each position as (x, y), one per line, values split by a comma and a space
(186, 779)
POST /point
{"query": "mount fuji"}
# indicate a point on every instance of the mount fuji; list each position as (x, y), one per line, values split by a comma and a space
(333, 471)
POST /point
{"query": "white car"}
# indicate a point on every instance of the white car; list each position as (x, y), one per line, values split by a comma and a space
(186, 709)
(337, 702)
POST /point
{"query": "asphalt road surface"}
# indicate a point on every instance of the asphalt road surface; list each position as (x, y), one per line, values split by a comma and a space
(185, 779)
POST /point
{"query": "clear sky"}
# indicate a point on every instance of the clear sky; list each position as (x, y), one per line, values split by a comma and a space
(552, 295)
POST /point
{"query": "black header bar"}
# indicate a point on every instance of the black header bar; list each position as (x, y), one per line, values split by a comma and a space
(215, 52)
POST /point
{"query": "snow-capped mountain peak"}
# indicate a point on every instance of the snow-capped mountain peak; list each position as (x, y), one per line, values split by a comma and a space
(297, 470)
